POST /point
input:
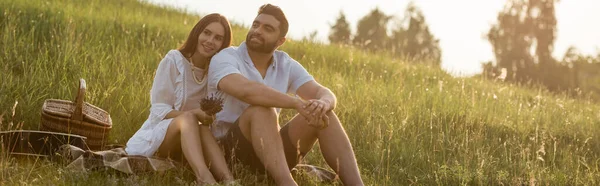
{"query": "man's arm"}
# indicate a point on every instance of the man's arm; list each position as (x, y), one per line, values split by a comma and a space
(255, 93)
(321, 101)
(224, 75)
(312, 90)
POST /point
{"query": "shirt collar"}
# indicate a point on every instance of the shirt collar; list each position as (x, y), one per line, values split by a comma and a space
(243, 49)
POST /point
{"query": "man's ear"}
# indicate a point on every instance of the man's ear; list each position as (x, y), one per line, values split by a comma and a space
(280, 41)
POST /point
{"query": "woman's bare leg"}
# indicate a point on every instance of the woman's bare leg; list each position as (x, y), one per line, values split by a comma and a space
(184, 130)
(214, 156)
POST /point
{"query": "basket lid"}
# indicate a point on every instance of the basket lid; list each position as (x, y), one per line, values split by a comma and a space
(78, 110)
(65, 109)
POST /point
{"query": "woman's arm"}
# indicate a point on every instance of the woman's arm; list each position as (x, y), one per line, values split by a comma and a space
(173, 114)
(162, 94)
(200, 115)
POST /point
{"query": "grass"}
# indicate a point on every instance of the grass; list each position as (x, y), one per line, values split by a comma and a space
(409, 124)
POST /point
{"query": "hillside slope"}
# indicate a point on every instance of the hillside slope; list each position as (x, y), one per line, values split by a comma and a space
(408, 123)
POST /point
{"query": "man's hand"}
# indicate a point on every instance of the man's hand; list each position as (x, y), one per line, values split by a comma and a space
(321, 123)
(300, 106)
(317, 110)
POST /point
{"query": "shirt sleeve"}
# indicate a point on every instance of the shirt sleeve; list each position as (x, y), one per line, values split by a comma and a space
(163, 95)
(221, 65)
(298, 76)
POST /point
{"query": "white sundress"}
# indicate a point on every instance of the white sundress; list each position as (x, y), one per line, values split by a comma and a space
(174, 88)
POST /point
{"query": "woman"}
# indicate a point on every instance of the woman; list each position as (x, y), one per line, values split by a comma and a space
(173, 126)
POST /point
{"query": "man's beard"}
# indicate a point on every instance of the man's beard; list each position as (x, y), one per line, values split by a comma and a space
(265, 47)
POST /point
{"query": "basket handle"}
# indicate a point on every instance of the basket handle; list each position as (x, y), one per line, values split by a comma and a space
(78, 113)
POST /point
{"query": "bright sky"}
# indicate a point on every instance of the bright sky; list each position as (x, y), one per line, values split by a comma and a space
(459, 24)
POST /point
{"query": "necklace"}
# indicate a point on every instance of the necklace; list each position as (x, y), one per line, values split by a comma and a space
(199, 82)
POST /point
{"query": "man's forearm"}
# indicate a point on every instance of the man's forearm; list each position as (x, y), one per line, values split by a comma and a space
(261, 95)
(326, 95)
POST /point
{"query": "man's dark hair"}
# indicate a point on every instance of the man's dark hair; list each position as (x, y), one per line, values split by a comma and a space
(276, 12)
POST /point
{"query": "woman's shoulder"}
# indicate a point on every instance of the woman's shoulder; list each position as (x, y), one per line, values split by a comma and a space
(173, 59)
(175, 55)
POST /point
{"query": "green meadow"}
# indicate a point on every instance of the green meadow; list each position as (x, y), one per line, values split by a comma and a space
(408, 123)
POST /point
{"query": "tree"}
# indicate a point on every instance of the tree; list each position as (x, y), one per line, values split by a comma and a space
(413, 39)
(371, 32)
(340, 31)
(523, 41)
(585, 68)
(551, 73)
(312, 37)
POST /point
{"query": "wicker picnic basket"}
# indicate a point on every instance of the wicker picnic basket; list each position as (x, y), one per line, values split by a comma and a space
(78, 118)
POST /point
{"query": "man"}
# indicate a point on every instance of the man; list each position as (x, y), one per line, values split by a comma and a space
(255, 79)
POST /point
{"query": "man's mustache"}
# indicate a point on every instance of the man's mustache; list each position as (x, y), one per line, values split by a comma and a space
(256, 36)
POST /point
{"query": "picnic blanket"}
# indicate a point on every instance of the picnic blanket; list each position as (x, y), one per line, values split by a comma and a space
(117, 159)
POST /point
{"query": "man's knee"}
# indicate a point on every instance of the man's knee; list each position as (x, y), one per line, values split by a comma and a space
(331, 114)
(333, 118)
(257, 115)
(261, 111)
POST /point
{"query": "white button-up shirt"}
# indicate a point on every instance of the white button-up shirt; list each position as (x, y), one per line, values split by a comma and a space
(284, 75)
(173, 88)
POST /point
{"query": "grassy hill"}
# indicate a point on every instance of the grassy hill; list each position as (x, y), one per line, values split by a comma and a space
(409, 124)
